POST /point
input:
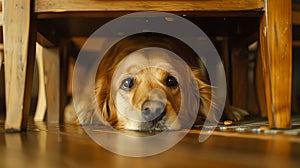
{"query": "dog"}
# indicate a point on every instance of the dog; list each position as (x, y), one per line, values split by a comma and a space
(141, 83)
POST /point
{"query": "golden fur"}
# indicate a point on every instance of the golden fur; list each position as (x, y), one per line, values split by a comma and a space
(153, 76)
(145, 59)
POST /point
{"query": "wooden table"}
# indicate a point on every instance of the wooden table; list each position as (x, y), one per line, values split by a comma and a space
(21, 19)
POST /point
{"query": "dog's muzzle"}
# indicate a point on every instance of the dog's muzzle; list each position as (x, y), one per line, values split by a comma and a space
(153, 111)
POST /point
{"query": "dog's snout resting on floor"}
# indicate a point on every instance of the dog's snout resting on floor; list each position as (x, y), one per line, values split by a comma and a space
(146, 81)
(153, 110)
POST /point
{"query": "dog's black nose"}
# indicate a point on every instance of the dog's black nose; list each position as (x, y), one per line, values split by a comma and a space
(153, 110)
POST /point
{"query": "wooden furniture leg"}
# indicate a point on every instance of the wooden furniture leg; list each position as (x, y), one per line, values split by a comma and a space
(1, 59)
(64, 67)
(42, 101)
(260, 89)
(276, 53)
(56, 74)
(19, 30)
(52, 81)
(239, 77)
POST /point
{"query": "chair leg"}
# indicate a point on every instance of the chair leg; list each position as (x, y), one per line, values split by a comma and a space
(276, 53)
(54, 71)
(19, 32)
(52, 81)
(1, 59)
(41, 102)
(239, 76)
(64, 67)
(260, 89)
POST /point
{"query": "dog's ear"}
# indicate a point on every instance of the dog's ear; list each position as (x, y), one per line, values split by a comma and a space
(109, 111)
(105, 104)
(207, 108)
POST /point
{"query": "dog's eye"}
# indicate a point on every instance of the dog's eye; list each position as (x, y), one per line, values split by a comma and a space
(127, 84)
(171, 82)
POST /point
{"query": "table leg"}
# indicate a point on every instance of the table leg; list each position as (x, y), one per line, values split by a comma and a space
(19, 32)
(276, 53)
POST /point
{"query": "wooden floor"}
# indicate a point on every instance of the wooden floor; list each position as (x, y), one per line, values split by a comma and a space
(56, 146)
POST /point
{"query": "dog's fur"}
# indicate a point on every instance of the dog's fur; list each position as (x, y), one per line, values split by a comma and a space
(146, 62)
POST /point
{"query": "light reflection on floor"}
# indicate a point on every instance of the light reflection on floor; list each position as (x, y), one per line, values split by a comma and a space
(69, 146)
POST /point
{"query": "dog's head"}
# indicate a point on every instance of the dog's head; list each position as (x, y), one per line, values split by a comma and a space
(140, 83)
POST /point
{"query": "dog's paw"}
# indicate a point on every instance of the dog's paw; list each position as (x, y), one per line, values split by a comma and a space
(70, 116)
(234, 113)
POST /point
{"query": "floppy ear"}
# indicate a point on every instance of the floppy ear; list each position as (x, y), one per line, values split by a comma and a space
(105, 104)
(207, 108)
(205, 97)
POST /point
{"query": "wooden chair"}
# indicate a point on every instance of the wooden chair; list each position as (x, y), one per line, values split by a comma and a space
(24, 21)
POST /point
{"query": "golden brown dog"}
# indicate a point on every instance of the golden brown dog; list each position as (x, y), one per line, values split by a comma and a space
(140, 82)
